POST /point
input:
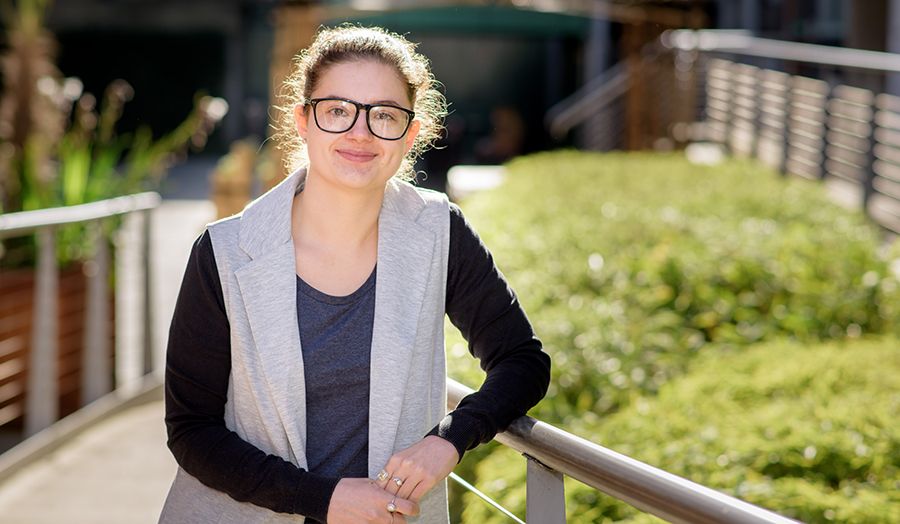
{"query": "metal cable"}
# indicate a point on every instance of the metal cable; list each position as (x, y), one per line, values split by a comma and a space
(487, 499)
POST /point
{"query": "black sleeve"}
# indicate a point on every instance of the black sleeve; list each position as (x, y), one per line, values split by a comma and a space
(487, 312)
(198, 366)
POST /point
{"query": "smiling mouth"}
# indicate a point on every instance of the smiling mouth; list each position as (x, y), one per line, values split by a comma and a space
(356, 156)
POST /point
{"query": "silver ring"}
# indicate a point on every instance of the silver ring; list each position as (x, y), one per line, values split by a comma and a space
(398, 481)
(392, 518)
(391, 507)
(382, 475)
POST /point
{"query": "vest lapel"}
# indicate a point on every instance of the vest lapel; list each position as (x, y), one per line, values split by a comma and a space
(405, 254)
(268, 287)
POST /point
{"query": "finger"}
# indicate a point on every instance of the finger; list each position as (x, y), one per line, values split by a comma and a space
(408, 488)
(406, 507)
(419, 491)
(381, 480)
(396, 486)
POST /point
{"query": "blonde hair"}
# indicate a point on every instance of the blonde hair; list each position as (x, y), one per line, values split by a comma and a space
(360, 44)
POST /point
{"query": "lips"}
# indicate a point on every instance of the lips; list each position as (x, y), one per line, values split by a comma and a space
(354, 155)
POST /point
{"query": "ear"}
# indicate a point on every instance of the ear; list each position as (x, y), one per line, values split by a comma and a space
(301, 119)
(412, 134)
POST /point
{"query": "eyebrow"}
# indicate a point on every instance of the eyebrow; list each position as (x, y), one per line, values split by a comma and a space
(375, 103)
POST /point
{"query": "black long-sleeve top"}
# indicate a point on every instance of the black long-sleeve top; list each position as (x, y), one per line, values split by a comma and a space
(478, 302)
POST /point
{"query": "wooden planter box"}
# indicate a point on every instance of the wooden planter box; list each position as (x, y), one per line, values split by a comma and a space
(16, 311)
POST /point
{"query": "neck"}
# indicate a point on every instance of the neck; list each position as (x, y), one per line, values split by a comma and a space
(327, 216)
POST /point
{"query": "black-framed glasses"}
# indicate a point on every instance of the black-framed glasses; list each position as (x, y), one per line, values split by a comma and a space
(338, 115)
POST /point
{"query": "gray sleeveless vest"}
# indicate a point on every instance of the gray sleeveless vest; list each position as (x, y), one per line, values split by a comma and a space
(266, 403)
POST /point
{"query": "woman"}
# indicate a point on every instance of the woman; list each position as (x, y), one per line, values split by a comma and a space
(306, 372)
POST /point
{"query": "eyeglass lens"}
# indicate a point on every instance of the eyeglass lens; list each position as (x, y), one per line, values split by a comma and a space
(338, 116)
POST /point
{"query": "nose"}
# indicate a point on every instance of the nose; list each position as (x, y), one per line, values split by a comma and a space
(360, 129)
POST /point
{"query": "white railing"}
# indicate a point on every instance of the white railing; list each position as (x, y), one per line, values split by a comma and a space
(132, 307)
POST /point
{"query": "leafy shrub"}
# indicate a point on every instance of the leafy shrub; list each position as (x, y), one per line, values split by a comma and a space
(633, 265)
(812, 432)
(629, 264)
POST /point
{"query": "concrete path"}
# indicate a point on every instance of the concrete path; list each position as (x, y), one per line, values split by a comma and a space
(116, 472)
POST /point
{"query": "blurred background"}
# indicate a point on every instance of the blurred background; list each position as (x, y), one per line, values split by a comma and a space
(500, 61)
(172, 99)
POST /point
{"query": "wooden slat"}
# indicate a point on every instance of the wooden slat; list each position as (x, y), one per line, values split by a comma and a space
(845, 155)
(719, 89)
(812, 158)
(887, 136)
(808, 129)
(847, 141)
(811, 103)
(744, 113)
(805, 141)
(804, 113)
(744, 86)
(772, 133)
(853, 127)
(888, 102)
(774, 81)
(772, 112)
(887, 119)
(884, 152)
(885, 211)
(717, 65)
(845, 171)
(744, 125)
(797, 167)
(887, 170)
(719, 105)
(845, 109)
(719, 85)
(886, 186)
(862, 97)
(810, 85)
(772, 121)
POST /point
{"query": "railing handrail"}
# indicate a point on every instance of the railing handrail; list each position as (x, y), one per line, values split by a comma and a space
(25, 221)
(587, 101)
(743, 43)
(667, 496)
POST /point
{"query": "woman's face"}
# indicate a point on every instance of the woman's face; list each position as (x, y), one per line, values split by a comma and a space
(356, 159)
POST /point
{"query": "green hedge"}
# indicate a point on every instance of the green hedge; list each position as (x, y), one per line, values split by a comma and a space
(811, 432)
(632, 266)
(629, 264)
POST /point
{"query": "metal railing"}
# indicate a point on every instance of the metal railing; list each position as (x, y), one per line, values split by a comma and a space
(553, 453)
(595, 99)
(845, 136)
(132, 303)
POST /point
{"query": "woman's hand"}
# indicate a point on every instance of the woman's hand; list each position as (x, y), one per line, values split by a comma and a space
(360, 500)
(419, 467)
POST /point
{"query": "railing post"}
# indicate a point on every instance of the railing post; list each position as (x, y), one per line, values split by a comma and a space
(869, 169)
(546, 498)
(42, 399)
(150, 360)
(130, 292)
(96, 362)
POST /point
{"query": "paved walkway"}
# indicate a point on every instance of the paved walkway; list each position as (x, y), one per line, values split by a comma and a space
(118, 471)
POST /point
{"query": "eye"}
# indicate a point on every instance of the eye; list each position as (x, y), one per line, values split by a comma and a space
(336, 111)
(385, 115)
